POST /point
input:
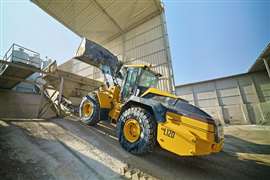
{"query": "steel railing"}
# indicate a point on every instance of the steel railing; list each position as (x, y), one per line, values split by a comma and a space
(17, 53)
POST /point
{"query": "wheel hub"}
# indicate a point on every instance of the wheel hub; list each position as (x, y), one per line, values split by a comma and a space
(132, 130)
(87, 109)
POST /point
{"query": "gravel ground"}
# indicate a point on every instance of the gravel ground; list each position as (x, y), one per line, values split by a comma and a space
(67, 149)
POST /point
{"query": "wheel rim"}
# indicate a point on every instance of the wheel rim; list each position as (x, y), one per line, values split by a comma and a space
(87, 109)
(132, 130)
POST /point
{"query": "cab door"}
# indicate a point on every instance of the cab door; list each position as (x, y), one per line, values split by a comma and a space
(129, 84)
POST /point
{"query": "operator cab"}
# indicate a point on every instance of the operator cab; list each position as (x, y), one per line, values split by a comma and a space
(137, 79)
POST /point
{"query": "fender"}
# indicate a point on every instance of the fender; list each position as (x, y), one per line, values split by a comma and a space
(158, 110)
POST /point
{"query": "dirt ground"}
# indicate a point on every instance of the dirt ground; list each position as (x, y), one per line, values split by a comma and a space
(67, 149)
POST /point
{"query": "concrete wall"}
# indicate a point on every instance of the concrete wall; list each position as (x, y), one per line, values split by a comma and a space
(20, 105)
(240, 99)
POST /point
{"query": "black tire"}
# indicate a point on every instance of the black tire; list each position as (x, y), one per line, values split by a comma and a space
(94, 118)
(147, 139)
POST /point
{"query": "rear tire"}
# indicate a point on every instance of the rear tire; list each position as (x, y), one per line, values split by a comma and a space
(91, 117)
(147, 138)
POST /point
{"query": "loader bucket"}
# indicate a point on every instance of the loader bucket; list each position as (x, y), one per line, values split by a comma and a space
(96, 55)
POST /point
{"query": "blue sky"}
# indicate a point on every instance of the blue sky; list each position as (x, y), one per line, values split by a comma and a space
(208, 39)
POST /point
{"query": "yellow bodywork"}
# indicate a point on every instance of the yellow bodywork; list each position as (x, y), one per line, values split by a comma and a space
(186, 136)
(109, 98)
(179, 134)
(158, 92)
(137, 65)
(183, 135)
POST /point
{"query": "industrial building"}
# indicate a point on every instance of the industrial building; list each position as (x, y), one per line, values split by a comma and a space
(135, 31)
(238, 99)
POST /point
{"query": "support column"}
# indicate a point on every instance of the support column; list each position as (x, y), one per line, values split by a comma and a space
(60, 94)
(124, 48)
(168, 53)
(243, 105)
(195, 99)
(258, 99)
(220, 106)
(267, 67)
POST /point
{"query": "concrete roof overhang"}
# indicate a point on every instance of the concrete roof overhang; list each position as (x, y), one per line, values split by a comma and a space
(101, 20)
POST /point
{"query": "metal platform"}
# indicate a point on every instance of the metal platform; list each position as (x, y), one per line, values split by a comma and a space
(18, 64)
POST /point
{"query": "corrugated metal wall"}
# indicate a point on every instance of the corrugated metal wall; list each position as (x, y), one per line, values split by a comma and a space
(144, 44)
(242, 99)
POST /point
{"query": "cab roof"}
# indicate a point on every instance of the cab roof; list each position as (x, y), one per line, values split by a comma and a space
(144, 66)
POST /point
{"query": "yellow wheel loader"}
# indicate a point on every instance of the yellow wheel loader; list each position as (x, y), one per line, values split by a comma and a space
(145, 116)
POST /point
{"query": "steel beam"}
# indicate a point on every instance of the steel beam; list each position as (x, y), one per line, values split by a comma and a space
(61, 87)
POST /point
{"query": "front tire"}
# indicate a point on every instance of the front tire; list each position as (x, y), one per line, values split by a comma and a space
(133, 121)
(89, 110)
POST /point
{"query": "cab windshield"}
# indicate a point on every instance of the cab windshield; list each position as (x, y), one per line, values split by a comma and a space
(148, 79)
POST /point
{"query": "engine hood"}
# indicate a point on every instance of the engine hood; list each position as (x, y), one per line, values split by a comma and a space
(178, 105)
